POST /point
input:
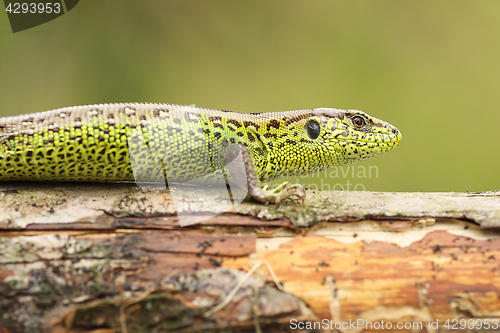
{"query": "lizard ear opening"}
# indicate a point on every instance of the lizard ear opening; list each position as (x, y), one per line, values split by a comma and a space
(313, 129)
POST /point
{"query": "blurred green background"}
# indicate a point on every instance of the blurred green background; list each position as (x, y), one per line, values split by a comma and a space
(431, 68)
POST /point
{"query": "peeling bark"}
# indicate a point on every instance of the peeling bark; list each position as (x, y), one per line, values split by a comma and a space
(114, 258)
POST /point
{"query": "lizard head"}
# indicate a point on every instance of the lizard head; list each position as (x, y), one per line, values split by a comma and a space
(313, 140)
(352, 134)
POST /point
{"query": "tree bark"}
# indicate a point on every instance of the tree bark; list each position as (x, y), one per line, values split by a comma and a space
(115, 258)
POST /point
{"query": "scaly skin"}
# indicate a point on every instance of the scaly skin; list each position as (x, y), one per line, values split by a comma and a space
(96, 142)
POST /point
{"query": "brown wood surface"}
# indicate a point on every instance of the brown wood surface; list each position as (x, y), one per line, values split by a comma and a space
(113, 258)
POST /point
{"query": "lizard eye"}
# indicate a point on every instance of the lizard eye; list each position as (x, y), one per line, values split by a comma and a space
(358, 121)
(313, 129)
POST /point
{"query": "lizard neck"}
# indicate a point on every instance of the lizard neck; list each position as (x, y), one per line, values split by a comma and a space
(288, 148)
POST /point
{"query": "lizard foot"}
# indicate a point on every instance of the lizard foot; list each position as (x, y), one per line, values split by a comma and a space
(284, 191)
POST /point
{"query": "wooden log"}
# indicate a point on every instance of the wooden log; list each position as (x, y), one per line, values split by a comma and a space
(114, 258)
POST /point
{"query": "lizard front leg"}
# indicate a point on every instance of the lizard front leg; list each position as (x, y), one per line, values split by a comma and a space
(241, 168)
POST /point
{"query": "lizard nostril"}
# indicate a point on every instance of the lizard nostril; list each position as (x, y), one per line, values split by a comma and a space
(395, 131)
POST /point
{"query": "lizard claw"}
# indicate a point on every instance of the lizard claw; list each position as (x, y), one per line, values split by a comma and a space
(288, 191)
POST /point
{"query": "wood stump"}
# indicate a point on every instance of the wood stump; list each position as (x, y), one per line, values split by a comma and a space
(114, 258)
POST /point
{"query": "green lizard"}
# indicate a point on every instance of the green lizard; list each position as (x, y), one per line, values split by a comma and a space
(124, 142)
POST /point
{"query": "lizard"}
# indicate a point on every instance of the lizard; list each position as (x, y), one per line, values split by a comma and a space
(127, 141)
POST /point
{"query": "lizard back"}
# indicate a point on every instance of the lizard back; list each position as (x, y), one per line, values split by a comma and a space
(96, 142)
